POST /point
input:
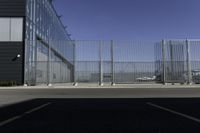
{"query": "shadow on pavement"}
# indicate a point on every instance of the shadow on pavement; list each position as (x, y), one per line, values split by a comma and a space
(99, 116)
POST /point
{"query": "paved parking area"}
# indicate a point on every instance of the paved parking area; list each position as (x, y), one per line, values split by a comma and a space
(102, 116)
(14, 95)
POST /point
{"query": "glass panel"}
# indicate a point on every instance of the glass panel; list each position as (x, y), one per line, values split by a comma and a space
(16, 29)
(4, 29)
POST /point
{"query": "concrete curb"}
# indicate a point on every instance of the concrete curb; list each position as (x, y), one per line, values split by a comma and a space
(89, 86)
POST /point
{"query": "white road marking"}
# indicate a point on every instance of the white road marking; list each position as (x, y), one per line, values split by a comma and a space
(22, 115)
(175, 112)
(10, 120)
(37, 108)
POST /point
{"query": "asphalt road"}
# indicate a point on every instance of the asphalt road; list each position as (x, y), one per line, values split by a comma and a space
(14, 95)
(134, 115)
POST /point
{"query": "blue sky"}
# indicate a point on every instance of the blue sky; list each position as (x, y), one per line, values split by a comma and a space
(130, 19)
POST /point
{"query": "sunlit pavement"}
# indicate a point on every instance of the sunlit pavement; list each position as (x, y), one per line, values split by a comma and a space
(12, 95)
(105, 85)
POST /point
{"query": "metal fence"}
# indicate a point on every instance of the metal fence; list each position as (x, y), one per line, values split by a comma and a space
(178, 61)
(51, 72)
(167, 61)
(114, 62)
(49, 62)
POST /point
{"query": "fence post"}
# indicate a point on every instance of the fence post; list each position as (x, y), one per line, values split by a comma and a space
(74, 61)
(172, 62)
(49, 66)
(164, 61)
(112, 63)
(189, 81)
(34, 62)
(100, 64)
(26, 65)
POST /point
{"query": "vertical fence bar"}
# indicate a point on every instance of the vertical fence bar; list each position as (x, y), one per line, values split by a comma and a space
(172, 76)
(49, 66)
(35, 62)
(48, 76)
(164, 61)
(188, 62)
(25, 62)
(100, 64)
(112, 63)
(74, 61)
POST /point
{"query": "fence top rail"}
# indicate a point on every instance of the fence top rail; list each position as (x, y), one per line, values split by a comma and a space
(122, 40)
(181, 39)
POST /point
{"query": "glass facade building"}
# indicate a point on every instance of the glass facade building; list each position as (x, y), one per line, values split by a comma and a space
(45, 49)
(49, 49)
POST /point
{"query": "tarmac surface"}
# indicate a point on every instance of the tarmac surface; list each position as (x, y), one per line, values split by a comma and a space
(135, 115)
(100, 109)
(11, 95)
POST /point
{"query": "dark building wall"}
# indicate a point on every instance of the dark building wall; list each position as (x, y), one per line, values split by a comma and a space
(12, 8)
(11, 68)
